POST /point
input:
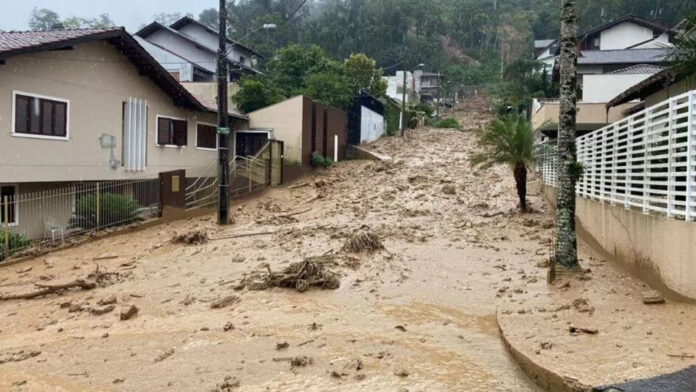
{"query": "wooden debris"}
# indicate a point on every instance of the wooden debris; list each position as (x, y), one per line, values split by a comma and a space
(363, 241)
(576, 330)
(652, 297)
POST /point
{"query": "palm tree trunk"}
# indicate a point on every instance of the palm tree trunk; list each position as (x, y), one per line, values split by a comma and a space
(520, 172)
(566, 241)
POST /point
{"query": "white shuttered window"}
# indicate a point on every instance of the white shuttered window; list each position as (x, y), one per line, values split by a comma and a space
(135, 134)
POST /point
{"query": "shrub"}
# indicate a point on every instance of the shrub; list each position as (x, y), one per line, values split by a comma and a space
(17, 242)
(319, 160)
(448, 123)
(114, 210)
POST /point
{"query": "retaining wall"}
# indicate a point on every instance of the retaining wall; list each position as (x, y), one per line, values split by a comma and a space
(655, 247)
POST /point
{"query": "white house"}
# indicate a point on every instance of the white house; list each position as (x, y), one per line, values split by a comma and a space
(187, 49)
(395, 87)
(612, 58)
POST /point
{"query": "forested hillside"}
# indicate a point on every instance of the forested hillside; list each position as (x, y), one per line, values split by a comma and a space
(465, 38)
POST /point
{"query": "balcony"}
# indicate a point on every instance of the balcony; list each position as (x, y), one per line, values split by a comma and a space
(591, 116)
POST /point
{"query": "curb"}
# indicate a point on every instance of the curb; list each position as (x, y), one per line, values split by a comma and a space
(543, 377)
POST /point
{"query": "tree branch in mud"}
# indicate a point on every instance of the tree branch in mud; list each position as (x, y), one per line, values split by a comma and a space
(94, 279)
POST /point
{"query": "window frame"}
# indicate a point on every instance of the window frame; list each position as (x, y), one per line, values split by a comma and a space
(157, 118)
(16, 205)
(217, 139)
(14, 133)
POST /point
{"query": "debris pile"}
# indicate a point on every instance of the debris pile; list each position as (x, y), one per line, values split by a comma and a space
(311, 272)
(194, 237)
(363, 241)
(94, 279)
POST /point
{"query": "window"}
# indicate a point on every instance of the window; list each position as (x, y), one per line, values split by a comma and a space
(242, 59)
(37, 116)
(9, 191)
(171, 131)
(206, 136)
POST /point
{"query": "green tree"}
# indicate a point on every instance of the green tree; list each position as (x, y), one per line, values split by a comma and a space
(683, 56)
(102, 22)
(568, 167)
(363, 74)
(167, 19)
(509, 140)
(44, 19)
(209, 18)
(255, 93)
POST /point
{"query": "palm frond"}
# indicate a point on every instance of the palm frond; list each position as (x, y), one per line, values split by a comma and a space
(507, 140)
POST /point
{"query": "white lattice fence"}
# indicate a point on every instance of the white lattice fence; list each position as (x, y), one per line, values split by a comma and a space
(645, 161)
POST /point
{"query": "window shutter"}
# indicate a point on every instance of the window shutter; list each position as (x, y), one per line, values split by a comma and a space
(163, 131)
(180, 132)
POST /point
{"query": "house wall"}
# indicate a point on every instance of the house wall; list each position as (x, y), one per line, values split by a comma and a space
(33, 216)
(624, 35)
(603, 88)
(207, 91)
(211, 41)
(168, 60)
(96, 79)
(188, 50)
(287, 121)
(661, 41)
(371, 125)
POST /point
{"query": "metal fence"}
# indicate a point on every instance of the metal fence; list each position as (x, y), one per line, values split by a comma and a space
(644, 161)
(47, 217)
(247, 174)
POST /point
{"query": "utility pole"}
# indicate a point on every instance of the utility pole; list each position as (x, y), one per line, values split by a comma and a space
(403, 105)
(223, 122)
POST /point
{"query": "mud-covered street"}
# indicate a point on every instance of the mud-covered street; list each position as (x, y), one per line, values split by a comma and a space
(416, 316)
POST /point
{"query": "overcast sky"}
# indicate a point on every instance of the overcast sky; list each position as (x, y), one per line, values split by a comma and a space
(129, 13)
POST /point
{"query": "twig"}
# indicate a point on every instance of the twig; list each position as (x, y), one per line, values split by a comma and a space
(229, 237)
(300, 185)
(310, 340)
(681, 356)
(317, 197)
(293, 213)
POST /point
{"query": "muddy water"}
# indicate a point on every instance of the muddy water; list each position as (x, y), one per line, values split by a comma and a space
(419, 316)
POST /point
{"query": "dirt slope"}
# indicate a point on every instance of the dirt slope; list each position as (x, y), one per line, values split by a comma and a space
(418, 316)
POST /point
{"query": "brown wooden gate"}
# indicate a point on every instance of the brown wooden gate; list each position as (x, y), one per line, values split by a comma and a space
(172, 192)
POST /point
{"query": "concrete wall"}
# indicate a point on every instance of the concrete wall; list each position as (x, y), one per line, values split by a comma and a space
(655, 247)
(96, 79)
(291, 121)
(372, 125)
(603, 88)
(624, 35)
(591, 116)
(287, 121)
(207, 91)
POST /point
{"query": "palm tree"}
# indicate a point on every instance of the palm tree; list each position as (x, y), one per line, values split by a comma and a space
(683, 56)
(509, 140)
(569, 170)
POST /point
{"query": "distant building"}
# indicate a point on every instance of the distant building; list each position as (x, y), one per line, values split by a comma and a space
(395, 87)
(428, 85)
(188, 51)
(612, 58)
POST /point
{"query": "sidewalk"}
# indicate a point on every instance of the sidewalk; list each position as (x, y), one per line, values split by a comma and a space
(625, 340)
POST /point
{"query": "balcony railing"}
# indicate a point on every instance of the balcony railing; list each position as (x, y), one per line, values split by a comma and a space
(644, 161)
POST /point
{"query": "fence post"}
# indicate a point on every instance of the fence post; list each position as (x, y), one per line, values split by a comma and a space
(98, 209)
(670, 184)
(6, 211)
(646, 176)
(688, 214)
(629, 163)
(249, 173)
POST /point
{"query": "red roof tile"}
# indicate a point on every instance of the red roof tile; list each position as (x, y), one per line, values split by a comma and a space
(14, 40)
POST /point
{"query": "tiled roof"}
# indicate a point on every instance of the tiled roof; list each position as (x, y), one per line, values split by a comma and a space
(17, 43)
(639, 69)
(14, 40)
(623, 56)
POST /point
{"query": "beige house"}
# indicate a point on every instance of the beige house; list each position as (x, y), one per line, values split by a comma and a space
(80, 106)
